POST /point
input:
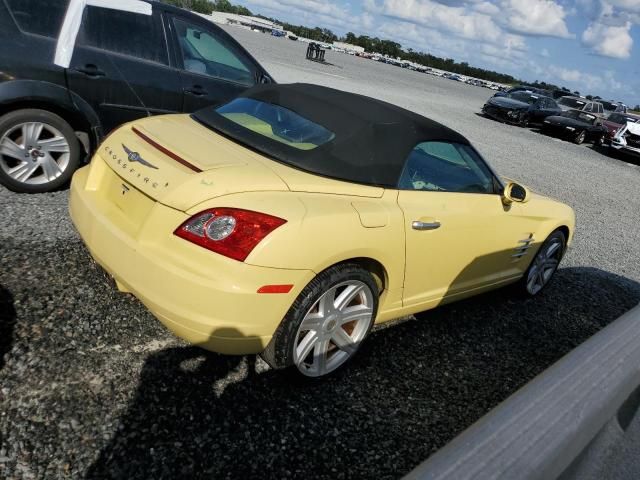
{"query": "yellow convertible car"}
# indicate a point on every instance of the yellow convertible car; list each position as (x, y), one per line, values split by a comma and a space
(291, 219)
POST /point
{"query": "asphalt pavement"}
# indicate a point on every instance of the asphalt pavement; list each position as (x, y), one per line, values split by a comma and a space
(91, 386)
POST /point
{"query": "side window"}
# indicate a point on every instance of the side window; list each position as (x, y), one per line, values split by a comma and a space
(42, 17)
(552, 104)
(131, 34)
(588, 108)
(205, 53)
(447, 167)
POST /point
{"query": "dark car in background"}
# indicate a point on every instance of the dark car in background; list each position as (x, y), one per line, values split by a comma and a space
(125, 66)
(575, 125)
(522, 88)
(521, 108)
(614, 122)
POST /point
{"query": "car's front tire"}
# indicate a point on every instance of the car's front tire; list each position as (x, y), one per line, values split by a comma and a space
(580, 138)
(39, 151)
(326, 324)
(544, 265)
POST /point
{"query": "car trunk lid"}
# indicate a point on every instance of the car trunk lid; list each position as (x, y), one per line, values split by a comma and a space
(180, 163)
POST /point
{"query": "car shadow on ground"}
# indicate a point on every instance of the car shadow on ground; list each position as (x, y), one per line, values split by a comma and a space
(7, 323)
(410, 390)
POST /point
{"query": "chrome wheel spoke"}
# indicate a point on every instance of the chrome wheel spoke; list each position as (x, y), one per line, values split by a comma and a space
(24, 171)
(343, 341)
(347, 296)
(11, 149)
(551, 251)
(307, 345)
(320, 353)
(31, 133)
(50, 167)
(312, 321)
(326, 303)
(55, 144)
(360, 312)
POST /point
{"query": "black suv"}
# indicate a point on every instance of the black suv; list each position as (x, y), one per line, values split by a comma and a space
(124, 66)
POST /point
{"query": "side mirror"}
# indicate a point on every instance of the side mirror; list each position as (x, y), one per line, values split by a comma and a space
(514, 192)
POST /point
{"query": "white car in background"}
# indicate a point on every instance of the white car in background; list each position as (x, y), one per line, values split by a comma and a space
(627, 139)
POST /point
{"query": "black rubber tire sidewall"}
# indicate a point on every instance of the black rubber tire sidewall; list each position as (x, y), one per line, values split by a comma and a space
(11, 119)
(279, 352)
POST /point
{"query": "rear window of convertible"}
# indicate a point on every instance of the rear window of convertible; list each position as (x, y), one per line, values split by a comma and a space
(276, 122)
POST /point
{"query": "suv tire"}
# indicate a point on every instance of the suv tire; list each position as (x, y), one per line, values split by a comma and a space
(39, 151)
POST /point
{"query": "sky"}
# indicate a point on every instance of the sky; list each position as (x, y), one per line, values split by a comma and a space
(592, 46)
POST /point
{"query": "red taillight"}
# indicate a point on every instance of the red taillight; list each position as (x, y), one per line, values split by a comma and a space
(231, 232)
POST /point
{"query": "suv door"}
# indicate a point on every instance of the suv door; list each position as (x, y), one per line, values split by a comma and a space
(121, 66)
(214, 68)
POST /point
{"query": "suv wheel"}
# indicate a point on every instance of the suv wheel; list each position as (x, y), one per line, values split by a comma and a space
(39, 151)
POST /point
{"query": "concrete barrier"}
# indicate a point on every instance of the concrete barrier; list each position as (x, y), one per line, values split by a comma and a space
(579, 419)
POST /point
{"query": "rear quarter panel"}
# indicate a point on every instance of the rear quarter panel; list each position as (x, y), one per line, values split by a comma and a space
(323, 230)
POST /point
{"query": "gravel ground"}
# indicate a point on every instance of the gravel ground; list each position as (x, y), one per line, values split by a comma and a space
(91, 386)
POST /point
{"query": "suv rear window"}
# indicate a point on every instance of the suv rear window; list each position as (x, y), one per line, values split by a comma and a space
(126, 33)
(42, 17)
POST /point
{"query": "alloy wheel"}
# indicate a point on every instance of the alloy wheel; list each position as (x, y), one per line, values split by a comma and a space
(34, 153)
(544, 266)
(332, 330)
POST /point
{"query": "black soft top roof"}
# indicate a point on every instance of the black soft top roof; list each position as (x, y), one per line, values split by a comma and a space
(372, 138)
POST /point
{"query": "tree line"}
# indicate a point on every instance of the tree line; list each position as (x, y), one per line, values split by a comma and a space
(208, 6)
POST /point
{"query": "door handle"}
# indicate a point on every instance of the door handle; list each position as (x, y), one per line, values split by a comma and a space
(418, 225)
(197, 90)
(90, 70)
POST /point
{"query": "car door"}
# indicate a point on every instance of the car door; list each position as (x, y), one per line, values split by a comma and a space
(459, 235)
(214, 69)
(121, 66)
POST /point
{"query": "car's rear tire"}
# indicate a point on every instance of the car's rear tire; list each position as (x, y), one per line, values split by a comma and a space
(326, 324)
(580, 138)
(39, 151)
(543, 266)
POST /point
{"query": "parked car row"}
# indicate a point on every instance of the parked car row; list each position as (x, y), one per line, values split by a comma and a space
(125, 66)
(570, 117)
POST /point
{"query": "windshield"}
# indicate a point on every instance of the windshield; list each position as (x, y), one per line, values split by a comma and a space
(276, 122)
(576, 115)
(524, 97)
(609, 106)
(571, 102)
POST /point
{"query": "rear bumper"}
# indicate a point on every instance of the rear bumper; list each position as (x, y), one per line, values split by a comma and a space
(202, 297)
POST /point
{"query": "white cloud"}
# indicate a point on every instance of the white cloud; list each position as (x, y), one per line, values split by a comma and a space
(453, 19)
(610, 41)
(534, 17)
